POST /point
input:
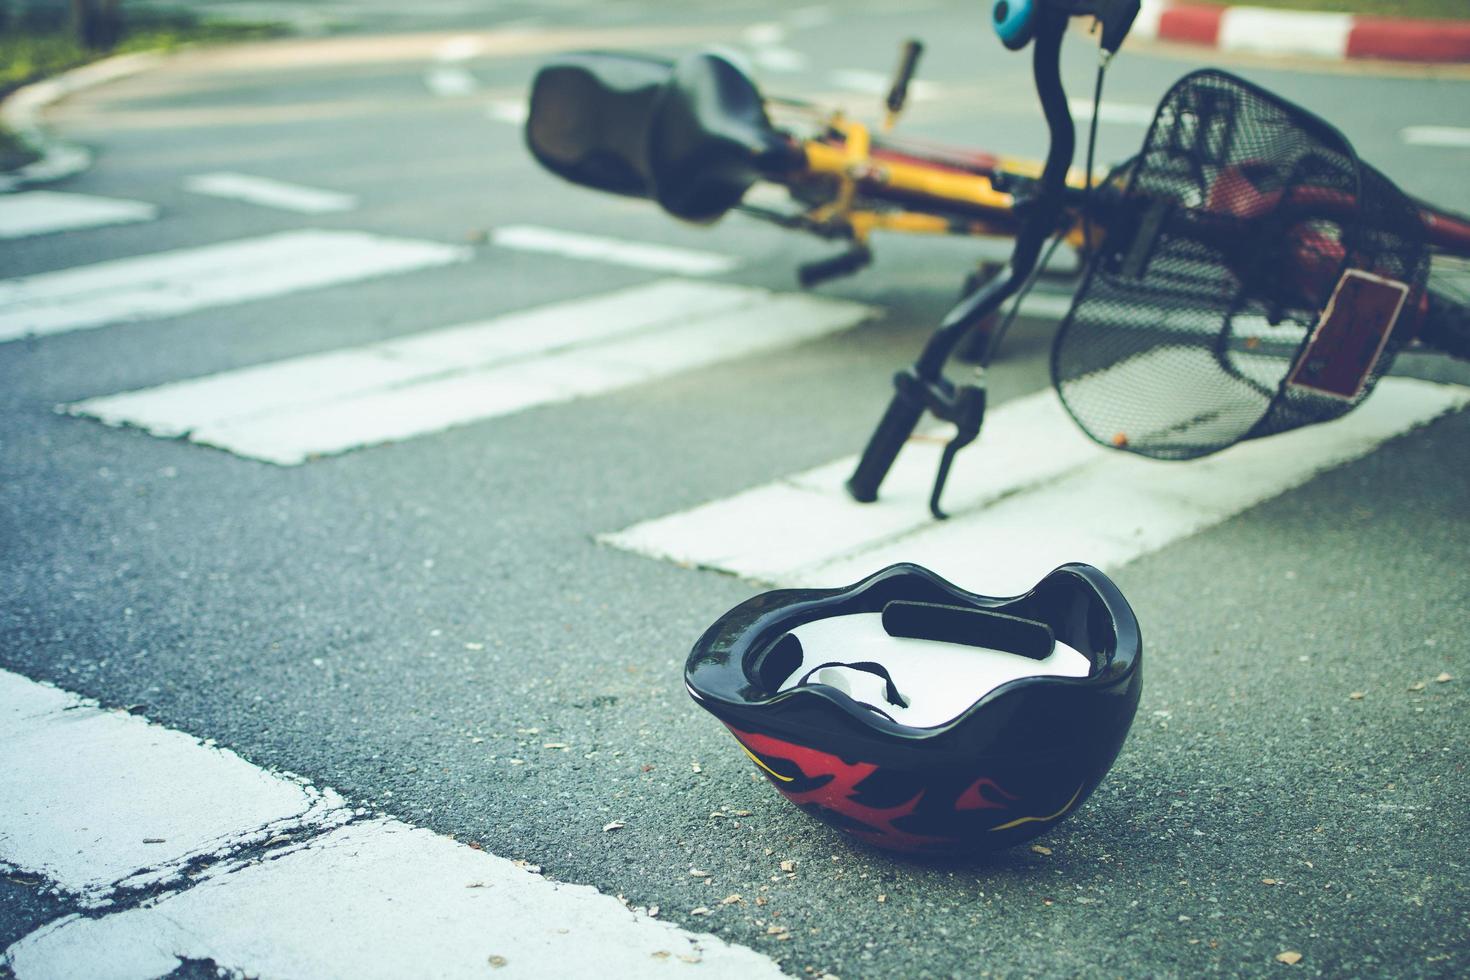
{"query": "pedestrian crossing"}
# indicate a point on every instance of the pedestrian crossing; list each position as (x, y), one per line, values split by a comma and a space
(291, 411)
(270, 193)
(1018, 511)
(638, 255)
(298, 409)
(187, 280)
(45, 212)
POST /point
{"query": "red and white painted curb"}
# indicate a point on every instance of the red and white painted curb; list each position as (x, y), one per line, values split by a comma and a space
(1328, 35)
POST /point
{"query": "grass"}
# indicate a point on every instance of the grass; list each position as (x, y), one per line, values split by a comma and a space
(1419, 9)
(29, 53)
(26, 56)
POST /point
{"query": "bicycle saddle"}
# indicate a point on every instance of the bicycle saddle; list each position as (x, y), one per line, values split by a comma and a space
(918, 717)
(710, 139)
(589, 119)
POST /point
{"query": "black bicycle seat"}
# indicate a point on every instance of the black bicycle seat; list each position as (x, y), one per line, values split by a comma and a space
(710, 139)
(589, 119)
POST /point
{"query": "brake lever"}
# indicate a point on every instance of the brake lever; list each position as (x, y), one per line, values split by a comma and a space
(967, 412)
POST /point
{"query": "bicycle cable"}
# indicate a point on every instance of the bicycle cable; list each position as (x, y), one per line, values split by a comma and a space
(993, 346)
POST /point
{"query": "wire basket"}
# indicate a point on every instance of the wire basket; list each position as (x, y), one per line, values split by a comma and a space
(1240, 246)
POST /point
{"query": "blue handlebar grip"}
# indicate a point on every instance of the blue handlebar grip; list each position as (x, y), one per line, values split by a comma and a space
(1015, 22)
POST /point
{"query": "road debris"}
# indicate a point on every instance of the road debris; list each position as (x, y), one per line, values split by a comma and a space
(1039, 849)
(615, 825)
(1290, 957)
(698, 873)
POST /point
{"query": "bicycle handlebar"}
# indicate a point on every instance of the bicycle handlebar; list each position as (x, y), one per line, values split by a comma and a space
(894, 429)
(924, 386)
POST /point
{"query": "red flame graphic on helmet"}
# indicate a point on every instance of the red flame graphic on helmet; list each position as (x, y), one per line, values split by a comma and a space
(875, 825)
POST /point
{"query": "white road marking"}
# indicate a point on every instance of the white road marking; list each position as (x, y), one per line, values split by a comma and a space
(761, 35)
(639, 255)
(43, 212)
(96, 800)
(774, 57)
(1284, 32)
(101, 801)
(1130, 114)
(1150, 13)
(867, 82)
(1033, 493)
(290, 411)
(461, 48)
(450, 81)
(767, 48)
(514, 111)
(1455, 136)
(270, 193)
(169, 283)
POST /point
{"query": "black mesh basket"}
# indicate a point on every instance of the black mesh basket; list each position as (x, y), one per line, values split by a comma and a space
(1204, 319)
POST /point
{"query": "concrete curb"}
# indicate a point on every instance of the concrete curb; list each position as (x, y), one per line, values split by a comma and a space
(1324, 35)
(21, 114)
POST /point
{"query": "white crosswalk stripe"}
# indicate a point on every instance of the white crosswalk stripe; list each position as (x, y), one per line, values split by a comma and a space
(268, 876)
(270, 193)
(1452, 136)
(290, 411)
(44, 212)
(1032, 494)
(618, 251)
(169, 283)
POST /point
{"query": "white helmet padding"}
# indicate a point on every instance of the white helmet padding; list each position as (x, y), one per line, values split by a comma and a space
(924, 665)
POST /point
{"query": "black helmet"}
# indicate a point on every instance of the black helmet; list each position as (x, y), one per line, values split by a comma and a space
(819, 687)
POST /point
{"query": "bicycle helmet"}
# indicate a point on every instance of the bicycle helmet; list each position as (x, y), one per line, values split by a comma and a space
(918, 717)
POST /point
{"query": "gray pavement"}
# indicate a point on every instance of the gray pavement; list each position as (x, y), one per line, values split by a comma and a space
(390, 622)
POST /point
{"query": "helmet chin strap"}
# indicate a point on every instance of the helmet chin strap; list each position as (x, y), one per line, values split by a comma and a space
(890, 692)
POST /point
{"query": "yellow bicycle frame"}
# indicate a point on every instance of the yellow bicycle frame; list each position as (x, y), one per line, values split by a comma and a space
(851, 163)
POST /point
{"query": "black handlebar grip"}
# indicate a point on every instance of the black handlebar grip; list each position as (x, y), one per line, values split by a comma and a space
(845, 264)
(909, 61)
(898, 423)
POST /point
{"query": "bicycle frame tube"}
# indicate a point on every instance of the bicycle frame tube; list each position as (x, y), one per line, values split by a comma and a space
(854, 161)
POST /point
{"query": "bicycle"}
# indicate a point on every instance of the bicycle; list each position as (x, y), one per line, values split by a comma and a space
(1245, 248)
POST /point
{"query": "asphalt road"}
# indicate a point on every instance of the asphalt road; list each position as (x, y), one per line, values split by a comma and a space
(393, 622)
